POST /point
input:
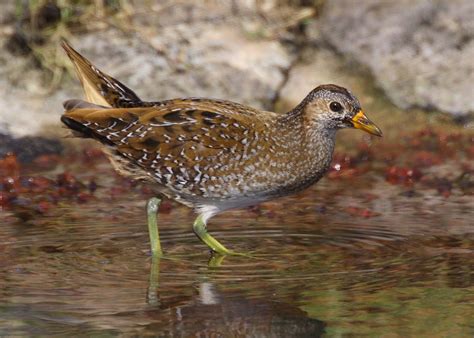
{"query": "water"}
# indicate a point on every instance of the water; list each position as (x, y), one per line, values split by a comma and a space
(353, 255)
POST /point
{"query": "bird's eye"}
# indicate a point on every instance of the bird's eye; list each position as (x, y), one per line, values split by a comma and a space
(335, 107)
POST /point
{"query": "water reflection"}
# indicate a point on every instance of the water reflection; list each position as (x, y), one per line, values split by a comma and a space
(85, 270)
(213, 312)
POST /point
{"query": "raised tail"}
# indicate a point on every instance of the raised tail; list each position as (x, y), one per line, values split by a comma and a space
(100, 88)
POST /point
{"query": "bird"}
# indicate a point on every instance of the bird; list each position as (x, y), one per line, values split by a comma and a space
(211, 155)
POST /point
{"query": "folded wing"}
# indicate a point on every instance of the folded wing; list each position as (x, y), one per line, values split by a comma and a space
(181, 145)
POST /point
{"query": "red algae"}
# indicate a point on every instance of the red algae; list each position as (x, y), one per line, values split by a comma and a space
(165, 207)
(9, 166)
(347, 166)
(411, 162)
(400, 175)
(4, 199)
(27, 196)
(360, 212)
(46, 161)
(425, 158)
(43, 207)
(68, 184)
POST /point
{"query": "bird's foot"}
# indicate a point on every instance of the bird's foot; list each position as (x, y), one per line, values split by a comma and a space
(217, 258)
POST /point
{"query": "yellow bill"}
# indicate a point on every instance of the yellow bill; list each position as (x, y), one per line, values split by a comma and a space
(360, 121)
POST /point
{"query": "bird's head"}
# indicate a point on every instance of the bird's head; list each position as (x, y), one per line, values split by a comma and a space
(335, 107)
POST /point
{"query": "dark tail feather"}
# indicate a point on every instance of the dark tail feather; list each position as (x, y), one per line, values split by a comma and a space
(100, 88)
(80, 130)
(76, 126)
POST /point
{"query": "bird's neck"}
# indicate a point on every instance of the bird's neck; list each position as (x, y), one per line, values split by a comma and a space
(319, 145)
(312, 136)
(305, 146)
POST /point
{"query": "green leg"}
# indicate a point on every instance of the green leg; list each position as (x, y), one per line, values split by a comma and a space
(152, 210)
(153, 297)
(216, 260)
(199, 228)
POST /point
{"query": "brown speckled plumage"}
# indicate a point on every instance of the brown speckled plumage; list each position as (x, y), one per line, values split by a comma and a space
(209, 154)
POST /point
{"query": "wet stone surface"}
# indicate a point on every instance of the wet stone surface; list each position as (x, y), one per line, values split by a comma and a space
(384, 243)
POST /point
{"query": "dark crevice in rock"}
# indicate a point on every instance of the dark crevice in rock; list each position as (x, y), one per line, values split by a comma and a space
(30, 147)
(286, 75)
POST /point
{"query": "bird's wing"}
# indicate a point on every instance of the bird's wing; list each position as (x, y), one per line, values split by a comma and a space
(176, 142)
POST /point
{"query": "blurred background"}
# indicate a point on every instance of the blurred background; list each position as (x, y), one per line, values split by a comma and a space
(267, 53)
(383, 244)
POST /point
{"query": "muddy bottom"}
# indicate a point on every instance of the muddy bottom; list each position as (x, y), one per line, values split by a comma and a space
(384, 245)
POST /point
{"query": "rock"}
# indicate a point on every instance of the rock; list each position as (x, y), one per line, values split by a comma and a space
(191, 61)
(26, 105)
(28, 112)
(420, 52)
(175, 51)
(321, 65)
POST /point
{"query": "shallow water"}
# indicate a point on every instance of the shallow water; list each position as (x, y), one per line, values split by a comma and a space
(352, 255)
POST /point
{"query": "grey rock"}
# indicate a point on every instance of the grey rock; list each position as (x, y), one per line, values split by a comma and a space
(26, 105)
(420, 52)
(180, 61)
(321, 65)
(199, 53)
(25, 112)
